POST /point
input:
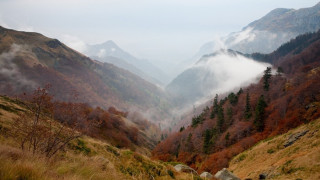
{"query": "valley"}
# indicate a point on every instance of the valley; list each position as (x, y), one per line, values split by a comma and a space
(245, 106)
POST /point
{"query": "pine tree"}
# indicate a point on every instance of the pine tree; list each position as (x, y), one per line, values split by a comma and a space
(247, 111)
(215, 107)
(266, 79)
(229, 116)
(259, 114)
(215, 104)
(206, 141)
(220, 119)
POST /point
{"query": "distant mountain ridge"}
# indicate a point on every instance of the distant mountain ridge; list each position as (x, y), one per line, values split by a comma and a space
(107, 51)
(29, 60)
(267, 33)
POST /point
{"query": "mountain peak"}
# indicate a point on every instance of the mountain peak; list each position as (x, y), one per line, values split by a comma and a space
(110, 43)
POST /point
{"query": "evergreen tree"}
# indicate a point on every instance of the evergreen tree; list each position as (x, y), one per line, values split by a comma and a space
(206, 141)
(229, 116)
(233, 99)
(259, 114)
(266, 79)
(215, 107)
(215, 104)
(227, 137)
(182, 129)
(247, 111)
(220, 119)
(279, 70)
(240, 91)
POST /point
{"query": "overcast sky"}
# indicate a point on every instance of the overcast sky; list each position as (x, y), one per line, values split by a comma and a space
(158, 30)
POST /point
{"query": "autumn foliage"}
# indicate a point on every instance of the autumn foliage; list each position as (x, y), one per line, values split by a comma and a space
(292, 97)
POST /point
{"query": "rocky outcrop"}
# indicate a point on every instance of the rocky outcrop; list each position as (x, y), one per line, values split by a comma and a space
(206, 175)
(294, 137)
(184, 168)
(224, 174)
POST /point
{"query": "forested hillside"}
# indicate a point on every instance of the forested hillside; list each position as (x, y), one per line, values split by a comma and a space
(280, 101)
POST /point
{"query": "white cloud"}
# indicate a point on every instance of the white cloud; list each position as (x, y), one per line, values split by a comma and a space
(74, 42)
(10, 70)
(230, 72)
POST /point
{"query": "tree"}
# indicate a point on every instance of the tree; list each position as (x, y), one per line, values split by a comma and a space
(215, 107)
(247, 111)
(240, 91)
(259, 114)
(233, 99)
(220, 119)
(206, 141)
(266, 79)
(229, 116)
(227, 137)
(37, 131)
(279, 70)
(215, 104)
(181, 129)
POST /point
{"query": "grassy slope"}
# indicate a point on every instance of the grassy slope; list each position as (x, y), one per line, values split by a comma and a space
(85, 158)
(298, 161)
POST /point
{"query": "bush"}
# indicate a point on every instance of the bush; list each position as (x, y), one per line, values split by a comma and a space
(270, 151)
(171, 174)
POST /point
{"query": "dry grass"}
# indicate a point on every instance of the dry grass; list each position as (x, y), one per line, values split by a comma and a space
(298, 161)
(83, 159)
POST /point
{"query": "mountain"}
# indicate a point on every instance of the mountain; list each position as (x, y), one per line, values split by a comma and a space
(234, 122)
(268, 33)
(29, 60)
(107, 51)
(215, 73)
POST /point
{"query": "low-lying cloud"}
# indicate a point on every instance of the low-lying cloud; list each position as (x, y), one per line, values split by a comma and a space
(9, 70)
(228, 71)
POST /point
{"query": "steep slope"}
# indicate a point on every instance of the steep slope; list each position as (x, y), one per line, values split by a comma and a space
(143, 68)
(30, 60)
(268, 33)
(235, 122)
(271, 158)
(83, 158)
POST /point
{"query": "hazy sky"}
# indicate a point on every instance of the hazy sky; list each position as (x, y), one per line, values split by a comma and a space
(158, 30)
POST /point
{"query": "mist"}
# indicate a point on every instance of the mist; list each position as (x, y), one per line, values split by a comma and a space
(218, 73)
(10, 72)
(230, 71)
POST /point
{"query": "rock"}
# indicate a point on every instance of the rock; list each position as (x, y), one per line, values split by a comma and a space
(294, 137)
(224, 174)
(184, 168)
(206, 175)
(262, 176)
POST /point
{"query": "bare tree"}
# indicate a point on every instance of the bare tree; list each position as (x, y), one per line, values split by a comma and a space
(37, 131)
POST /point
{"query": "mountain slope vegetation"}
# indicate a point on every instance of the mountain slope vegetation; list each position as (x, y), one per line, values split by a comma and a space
(30, 60)
(271, 158)
(90, 156)
(236, 121)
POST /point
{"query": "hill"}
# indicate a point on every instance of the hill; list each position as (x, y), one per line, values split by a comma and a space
(30, 60)
(88, 156)
(236, 121)
(271, 158)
